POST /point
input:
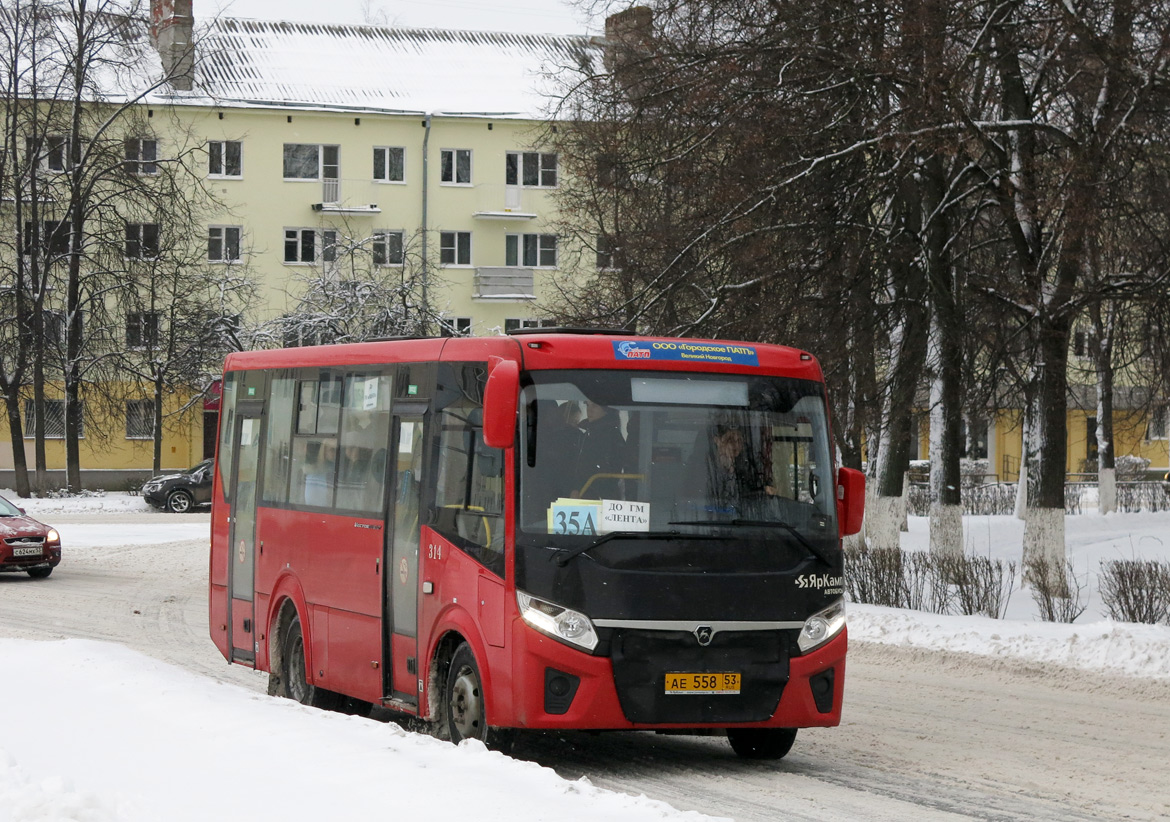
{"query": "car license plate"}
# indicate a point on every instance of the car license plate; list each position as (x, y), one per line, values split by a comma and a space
(688, 683)
(26, 550)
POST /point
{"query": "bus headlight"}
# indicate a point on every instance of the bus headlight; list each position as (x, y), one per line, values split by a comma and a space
(822, 626)
(560, 623)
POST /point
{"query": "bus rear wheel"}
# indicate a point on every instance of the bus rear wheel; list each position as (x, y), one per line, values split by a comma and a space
(761, 743)
(296, 681)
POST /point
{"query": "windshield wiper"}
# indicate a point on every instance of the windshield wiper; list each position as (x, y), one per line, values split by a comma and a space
(763, 523)
(564, 555)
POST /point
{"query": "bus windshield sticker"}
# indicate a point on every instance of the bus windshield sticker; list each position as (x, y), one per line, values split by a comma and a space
(687, 351)
(574, 516)
(624, 515)
(370, 394)
(592, 517)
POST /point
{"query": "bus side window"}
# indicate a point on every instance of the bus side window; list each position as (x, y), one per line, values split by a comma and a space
(469, 492)
(365, 430)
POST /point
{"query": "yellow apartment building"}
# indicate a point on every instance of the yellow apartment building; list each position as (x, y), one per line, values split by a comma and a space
(423, 148)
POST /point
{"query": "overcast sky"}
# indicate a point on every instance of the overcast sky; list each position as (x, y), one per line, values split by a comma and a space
(526, 16)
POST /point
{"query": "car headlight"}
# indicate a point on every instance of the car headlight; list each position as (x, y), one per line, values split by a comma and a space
(821, 627)
(52, 536)
(152, 486)
(560, 623)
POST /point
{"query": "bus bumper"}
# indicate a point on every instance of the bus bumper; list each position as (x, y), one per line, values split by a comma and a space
(557, 687)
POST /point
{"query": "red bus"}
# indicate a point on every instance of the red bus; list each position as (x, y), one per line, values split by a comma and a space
(548, 530)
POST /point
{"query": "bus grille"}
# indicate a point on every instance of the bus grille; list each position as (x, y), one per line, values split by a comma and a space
(642, 659)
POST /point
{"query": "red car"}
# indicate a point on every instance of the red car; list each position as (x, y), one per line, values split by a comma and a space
(25, 544)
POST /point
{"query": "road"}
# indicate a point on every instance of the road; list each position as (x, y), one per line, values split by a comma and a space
(925, 735)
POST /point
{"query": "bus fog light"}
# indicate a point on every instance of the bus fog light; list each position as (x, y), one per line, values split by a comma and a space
(822, 626)
(558, 622)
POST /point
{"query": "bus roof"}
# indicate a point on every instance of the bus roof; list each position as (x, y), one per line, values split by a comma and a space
(539, 350)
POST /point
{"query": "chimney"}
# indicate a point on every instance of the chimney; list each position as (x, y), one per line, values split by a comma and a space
(631, 27)
(171, 25)
(629, 37)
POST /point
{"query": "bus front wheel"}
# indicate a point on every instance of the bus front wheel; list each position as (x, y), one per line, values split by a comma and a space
(761, 743)
(465, 705)
(296, 680)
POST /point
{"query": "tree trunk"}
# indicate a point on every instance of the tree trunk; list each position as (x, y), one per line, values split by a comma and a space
(1101, 346)
(16, 435)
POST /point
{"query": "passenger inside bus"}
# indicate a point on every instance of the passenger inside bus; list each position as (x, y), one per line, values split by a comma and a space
(319, 473)
(724, 472)
(604, 455)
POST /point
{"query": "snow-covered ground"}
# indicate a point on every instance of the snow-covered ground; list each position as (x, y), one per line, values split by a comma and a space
(109, 734)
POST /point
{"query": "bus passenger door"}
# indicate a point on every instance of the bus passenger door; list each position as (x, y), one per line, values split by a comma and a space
(403, 552)
(241, 579)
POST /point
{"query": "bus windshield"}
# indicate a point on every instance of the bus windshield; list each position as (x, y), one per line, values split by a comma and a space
(619, 452)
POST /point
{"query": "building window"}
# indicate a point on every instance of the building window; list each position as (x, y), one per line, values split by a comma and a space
(455, 166)
(310, 161)
(606, 253)
(141, 156)
(308, 245)
(53, 328)
(1083, 343)
(530, 168)
(455, 248)
(225, 158)
(50, 154)
(141, 241)
(141, 329)
(455, 327)
(511, 325)
(140, 419)
(223, 244)
(1159, 417)
(387, 248)
(53, 239)
(530, 250)
(389, 164)
(54, 419)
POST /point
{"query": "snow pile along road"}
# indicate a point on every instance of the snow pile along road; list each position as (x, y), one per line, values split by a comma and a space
(1108, 647)
(125, 738)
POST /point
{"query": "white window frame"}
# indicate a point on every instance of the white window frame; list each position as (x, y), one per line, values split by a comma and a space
(324, 245)
(385, 152)
(323, 164)
(51, 153)
(455, 327)
(378, 245)
(54, 420)
(224, 245)
(138, 161)
(222, 174)
(142, 329)
(454, 247)
(48, 228)
(454, 154)
(135, 410)
(140, 230)
(520, 166)
(531, 250)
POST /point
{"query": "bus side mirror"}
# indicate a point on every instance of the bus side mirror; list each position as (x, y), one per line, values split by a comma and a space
(850, 500)
(500, 399)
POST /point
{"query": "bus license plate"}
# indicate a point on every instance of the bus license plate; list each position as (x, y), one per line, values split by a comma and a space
(26, 550)
(686, 683)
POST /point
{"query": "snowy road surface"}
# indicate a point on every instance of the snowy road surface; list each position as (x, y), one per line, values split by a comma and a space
(926, 735)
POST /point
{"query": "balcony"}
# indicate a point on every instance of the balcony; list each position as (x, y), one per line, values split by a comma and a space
(501, 202)
(499, 283)
(333, 198)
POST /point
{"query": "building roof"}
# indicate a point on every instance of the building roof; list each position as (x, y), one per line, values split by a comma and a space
(440, 71)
